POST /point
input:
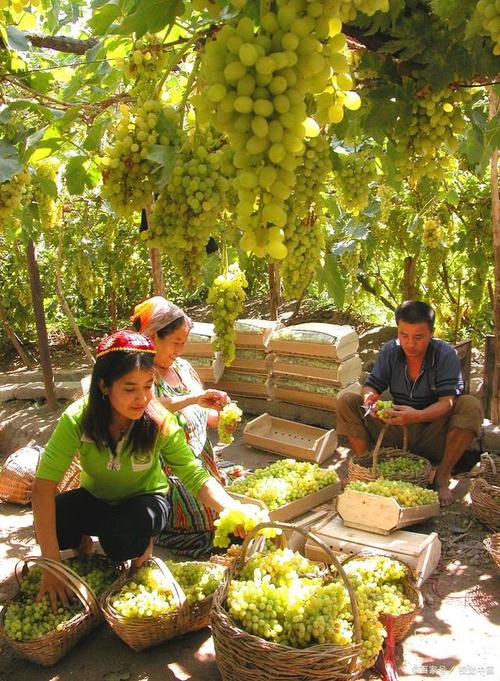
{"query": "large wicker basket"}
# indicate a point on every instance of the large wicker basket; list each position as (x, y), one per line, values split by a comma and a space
(492, 545)
(364, 468)
(489, 468)
(245, 657)
(485, 500)
(401, 623)
(143, 632)
(18, 473)
(50, 648)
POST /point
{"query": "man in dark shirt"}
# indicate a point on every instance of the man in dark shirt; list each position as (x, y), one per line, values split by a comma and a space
(423, 376)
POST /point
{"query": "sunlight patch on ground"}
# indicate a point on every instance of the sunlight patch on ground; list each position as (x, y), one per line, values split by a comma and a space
(206, 651)
(178, 671)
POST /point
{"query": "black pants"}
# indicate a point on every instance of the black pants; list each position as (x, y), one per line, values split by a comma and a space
(123, 529)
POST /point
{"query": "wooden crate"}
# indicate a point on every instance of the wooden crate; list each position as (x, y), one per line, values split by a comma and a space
(243, 388)
(203, 349)
(342, 373)
(251, 364)
(421, 552)
(343, 343)
(254, 338)
(382, 515)
(289, 438)
(296, 508)
(306, 398)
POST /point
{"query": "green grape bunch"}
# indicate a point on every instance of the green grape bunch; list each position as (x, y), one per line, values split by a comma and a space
(226, 295)
(433, 234)
(189, 209)
(147, 594)
(229, 418)
(147, 60)
(353, 176)
(406, 493)
(488, 12)
(383, 408)
(246, 516)
(197, 580)
(49, 209)
(12, 193)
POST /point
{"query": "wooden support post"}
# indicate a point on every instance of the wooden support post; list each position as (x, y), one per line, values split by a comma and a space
(41, 327)
(488, 371)
(28, 361)
(274, 290)
(494, 105)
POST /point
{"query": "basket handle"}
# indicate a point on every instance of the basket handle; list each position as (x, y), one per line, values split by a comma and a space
(177, 591)
(486, 455)
(238, 564)
(378, 445)
(68, 576)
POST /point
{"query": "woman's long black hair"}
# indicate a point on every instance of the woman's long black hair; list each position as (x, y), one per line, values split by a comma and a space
(97, 417)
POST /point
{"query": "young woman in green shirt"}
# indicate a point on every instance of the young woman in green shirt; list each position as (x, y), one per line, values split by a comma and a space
(122, 435)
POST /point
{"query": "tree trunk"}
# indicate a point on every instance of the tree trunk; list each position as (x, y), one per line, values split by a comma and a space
(274, 290)
(28, 361)
(66, 308)
(41, 327)
(158, 282)
(409, 278)
(495, 219)
(112, 308)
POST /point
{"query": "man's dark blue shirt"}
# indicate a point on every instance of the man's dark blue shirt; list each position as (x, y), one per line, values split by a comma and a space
(440, 374)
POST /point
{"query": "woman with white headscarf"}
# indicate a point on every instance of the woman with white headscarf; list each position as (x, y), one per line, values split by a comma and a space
(179, 388)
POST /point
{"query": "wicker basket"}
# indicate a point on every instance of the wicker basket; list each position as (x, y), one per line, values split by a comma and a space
(18, 473)
(245, 657)
(401, 623)
(50, 648)
(492, 545)
(364, 467)
(489, 468)
(485, 500)
(143, 632)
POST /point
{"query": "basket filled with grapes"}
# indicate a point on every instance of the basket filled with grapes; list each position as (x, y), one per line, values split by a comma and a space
(33, 629)
(485, 502)
(278, 615)
(288, 488)
(388, 587)
(391, 463)
(492, 545)
(382, 506)
(147, 607)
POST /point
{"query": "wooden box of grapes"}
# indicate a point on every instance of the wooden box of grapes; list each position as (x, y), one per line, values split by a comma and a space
(315, 340)
(342, 373)
(199, 341)
(382, 515)
(253, 333)
(308, 392)
(289, 438)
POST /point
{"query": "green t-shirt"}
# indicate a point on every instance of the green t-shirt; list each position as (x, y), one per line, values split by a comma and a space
(127, 474)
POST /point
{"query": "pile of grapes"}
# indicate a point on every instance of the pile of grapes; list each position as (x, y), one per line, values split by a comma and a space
(400, 465)
(379, 584)
(246, 516)
(25, 619)
(406, 493)
(146, 594)
(286, 599)
(197, 580)
(284, 481)
(229, 418)
(226, 295)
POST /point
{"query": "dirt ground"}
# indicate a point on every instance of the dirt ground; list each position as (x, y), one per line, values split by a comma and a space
(455, 637)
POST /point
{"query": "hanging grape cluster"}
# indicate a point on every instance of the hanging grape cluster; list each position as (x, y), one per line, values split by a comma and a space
(353, 173)
(488, 12)
(126, 170)
(304, 232)
(49, 209)
(260, 84)
(12, 192)
(188, 209)
(226, 295)
(424, 143)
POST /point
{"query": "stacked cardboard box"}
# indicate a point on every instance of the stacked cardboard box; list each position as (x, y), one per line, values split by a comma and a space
(312, 364)
(247, 376)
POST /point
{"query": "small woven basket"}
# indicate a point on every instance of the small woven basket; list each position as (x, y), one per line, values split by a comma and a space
(364, 468)
(489, 468)
(485, 500)
(492, 545)
(143, 632)
(19, 470)
(401, 623)
(245, 657)
(50, 648)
